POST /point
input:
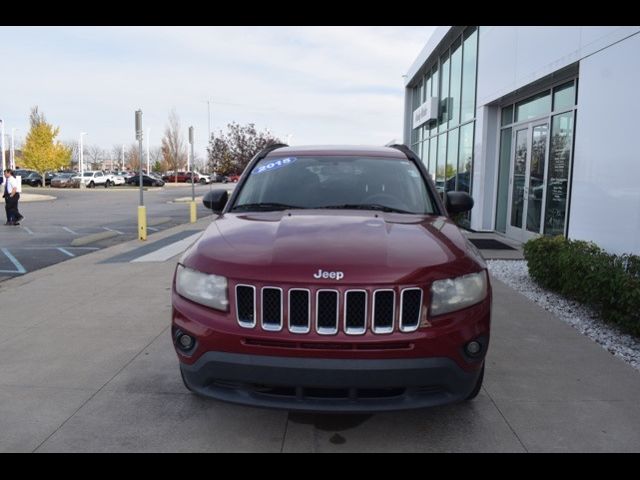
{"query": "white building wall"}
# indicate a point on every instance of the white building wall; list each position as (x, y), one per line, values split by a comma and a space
(605, 200)
(510, 58)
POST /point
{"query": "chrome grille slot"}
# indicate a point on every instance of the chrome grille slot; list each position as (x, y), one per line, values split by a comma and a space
(355, 312)
(410, 309)
(246, 305)
(299, 310)
(327, 312)
(271, 306)
(384, 309)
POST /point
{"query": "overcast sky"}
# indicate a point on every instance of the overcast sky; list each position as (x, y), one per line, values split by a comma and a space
(322, 85)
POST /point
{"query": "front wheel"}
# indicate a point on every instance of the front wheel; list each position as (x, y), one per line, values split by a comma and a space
(92, 185)
(107, 184)
(476, 390)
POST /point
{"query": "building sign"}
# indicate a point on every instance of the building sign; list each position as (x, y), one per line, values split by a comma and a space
(426, 112)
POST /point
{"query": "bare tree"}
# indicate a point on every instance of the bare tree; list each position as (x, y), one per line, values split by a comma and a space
(157, 160)
(96, 156)
(116, 156)
(174, 150)
(132, 157)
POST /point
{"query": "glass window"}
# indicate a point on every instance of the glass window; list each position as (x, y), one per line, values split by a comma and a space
(279, 183)
(433, 152)
(444, 94)
(503, 180)
(470, 53)
(564, 96)
(507, 115)
(434, 93)
(441, 162)
(455, 84)
(465, 158)
(425, 153)
(451, 169)
(533, 107)
(558, 174)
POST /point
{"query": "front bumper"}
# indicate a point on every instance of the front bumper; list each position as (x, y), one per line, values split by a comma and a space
(329, 385)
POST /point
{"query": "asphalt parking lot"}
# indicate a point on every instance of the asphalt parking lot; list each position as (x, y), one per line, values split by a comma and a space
(46, 235)
(85, 371)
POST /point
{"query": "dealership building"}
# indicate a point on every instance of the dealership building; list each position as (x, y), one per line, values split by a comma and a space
(538, 124)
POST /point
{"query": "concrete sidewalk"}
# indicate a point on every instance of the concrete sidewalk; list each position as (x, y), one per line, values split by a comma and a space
(86, 364)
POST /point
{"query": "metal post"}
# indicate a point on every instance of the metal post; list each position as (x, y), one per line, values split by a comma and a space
(193, 188)
(12, 157)
(4, 164)
(148, 160)
(142, 212)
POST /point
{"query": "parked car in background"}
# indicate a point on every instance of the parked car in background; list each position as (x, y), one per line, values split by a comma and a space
(94, 178)
(183, 177)
(233, 178)
(65, 180)
(29, 177)
(114, 179)
(147, 181)
(204, 178)
(217, 178)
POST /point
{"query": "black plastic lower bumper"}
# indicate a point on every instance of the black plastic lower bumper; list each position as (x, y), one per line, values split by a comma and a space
(329, 385)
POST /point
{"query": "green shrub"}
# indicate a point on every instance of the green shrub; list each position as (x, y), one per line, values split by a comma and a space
(582, 271)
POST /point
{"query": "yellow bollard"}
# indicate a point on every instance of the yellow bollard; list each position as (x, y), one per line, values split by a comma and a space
(192, 212)
(142, 223)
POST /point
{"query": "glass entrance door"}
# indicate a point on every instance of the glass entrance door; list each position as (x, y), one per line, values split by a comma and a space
(527, 185)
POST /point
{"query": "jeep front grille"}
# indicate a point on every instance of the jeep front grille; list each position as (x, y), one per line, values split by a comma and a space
(328, 311)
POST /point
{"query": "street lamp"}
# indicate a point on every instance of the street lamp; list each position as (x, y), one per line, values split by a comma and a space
(81, 160)
(148, 161)
(12, 158)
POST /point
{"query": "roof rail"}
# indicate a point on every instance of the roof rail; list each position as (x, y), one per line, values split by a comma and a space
(406, 150)
(268, 149)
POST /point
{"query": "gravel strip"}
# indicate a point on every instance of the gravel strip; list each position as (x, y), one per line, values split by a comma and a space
(516, 274)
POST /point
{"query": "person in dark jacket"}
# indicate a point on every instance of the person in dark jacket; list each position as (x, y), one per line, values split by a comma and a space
(11, 198)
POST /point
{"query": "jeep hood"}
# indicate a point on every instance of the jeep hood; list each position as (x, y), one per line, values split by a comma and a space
(368, 247)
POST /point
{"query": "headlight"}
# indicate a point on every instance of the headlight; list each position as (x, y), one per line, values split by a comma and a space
(202, 288)
(457, 293)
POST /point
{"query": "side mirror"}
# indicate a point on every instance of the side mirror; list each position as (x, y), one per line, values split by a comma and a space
(458, 202)
(216, 200)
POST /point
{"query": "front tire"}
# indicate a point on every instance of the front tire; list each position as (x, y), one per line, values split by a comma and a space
(476, 389)
(92, 185)
(107, 184)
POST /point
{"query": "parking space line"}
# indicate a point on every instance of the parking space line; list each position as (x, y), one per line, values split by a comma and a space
(28, 230)
(16, 263)
(112, 230)
(69, 230)
(153, 229)
(66, 252)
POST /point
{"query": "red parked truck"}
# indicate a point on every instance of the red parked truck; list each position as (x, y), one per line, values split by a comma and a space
(333, 279)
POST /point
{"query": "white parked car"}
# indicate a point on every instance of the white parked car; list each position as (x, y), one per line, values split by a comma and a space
(95, 178)
(204, 178)
(115, 179)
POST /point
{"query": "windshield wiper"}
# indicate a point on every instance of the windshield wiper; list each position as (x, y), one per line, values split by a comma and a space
(263, 207)
(365, 206)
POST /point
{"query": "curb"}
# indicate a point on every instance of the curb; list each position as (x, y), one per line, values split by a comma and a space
(35, 197)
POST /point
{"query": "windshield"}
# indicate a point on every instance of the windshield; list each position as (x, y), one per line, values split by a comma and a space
(88, 174)
(335, 182)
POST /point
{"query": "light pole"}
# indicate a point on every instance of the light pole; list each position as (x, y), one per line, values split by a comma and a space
(12, 158)
(4, 164)
(81, 160)
(193, 188)
(148, 161)
(142, 211)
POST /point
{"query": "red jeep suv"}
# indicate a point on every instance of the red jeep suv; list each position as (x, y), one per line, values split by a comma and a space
(333, 279)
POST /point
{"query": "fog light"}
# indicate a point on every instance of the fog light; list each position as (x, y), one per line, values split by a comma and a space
(473, 348)
(185, 341)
